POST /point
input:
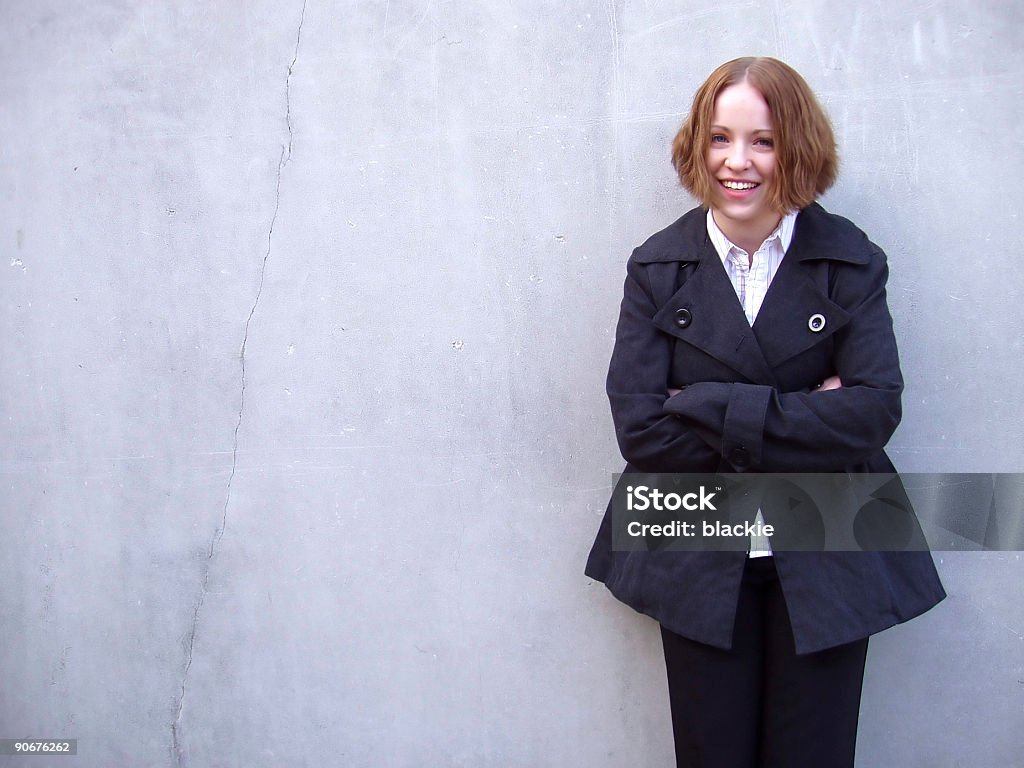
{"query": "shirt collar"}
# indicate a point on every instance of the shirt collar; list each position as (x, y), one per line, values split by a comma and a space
(784, 232)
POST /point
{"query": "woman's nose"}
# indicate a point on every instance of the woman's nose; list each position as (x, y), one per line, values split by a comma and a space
(737, 159)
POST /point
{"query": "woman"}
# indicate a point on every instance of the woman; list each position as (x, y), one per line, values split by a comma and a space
(715, 371)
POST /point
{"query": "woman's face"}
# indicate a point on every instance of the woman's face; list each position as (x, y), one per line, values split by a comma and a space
(741, 162)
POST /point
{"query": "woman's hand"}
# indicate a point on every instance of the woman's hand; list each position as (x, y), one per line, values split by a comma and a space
(832, 382)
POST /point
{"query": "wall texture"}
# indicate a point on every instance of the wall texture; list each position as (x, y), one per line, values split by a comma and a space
(305, 311)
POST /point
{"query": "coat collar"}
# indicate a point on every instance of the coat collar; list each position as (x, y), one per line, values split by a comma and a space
(715, 321)
(818, 235)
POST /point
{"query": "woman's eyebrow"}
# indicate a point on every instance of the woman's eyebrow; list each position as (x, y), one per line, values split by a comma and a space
(716, 127)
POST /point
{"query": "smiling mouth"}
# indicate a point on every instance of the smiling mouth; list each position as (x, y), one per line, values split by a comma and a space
(739, 186)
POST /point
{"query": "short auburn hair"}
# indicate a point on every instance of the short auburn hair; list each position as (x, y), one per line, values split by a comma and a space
(805, 147)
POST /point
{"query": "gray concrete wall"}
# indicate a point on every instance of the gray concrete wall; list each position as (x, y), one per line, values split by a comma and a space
(306, 311)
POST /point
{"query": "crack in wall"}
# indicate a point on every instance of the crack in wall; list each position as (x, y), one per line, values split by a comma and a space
(288, 95)
(218, 534)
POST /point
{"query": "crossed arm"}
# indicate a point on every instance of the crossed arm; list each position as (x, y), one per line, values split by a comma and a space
(832, 382)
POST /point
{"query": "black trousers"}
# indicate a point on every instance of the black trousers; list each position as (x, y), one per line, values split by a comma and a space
(760, 705)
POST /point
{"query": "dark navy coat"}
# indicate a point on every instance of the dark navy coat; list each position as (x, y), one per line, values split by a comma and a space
(747, 405)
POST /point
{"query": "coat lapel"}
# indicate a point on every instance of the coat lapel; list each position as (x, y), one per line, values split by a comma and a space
(797, 312)
(715, 323)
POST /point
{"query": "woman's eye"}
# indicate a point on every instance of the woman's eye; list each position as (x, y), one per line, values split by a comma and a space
(765, 143)
(717, 138)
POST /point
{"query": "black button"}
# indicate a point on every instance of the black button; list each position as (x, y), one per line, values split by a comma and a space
(739, 457)
(683, 317)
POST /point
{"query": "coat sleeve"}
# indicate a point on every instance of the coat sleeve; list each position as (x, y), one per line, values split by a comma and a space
(756, 427)
(649, 438)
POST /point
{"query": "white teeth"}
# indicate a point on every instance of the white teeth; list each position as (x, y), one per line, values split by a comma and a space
(738, 185)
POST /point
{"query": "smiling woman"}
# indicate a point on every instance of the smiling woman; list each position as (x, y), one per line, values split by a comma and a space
(714, 372)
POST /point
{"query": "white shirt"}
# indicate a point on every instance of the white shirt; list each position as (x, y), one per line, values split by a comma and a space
(751, 282)
(751, 276)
